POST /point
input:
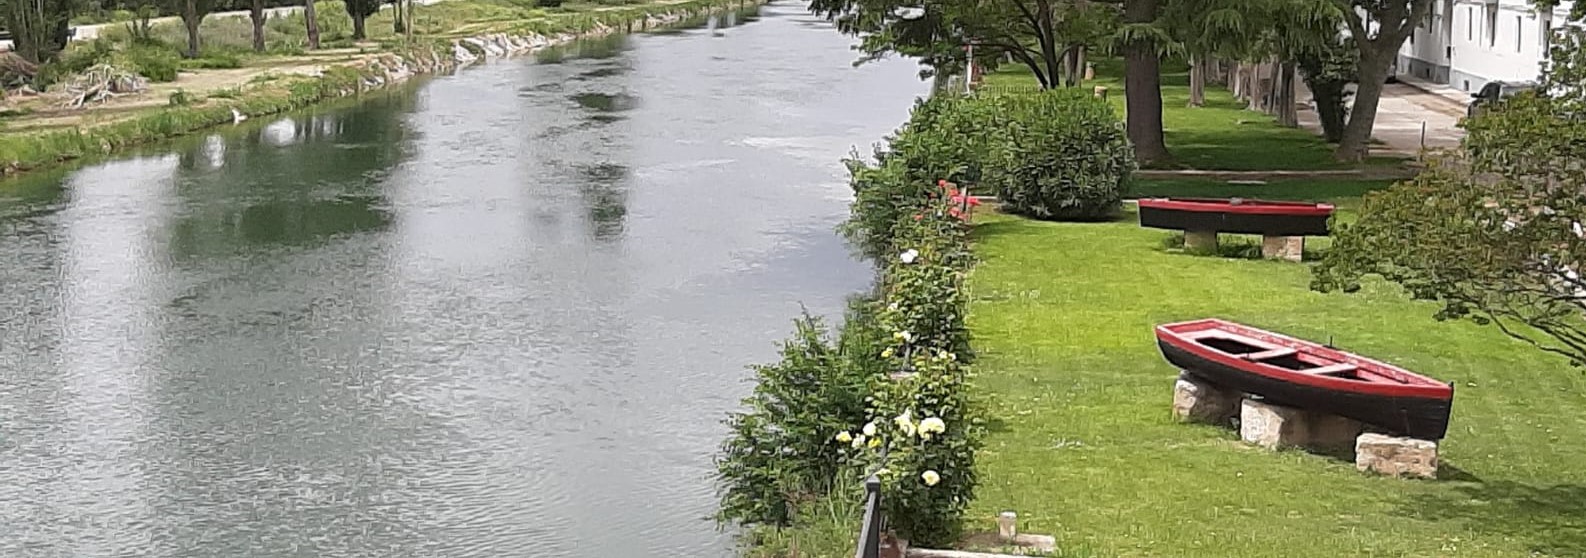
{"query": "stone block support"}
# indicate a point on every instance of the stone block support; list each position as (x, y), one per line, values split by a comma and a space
(1195, 400)
(1291, 248)
(1396, 456)
(1273, 426)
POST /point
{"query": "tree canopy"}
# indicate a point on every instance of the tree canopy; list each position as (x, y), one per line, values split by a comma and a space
(1036, 33)
(1495, 232)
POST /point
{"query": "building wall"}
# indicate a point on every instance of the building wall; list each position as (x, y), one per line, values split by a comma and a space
(1426, 54)
(1498, 40)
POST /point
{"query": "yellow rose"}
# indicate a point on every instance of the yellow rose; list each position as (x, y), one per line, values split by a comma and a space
(844, 437)
(930, 478)
(874, 443)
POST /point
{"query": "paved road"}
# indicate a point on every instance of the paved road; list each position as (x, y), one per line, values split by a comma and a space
(1401, 116)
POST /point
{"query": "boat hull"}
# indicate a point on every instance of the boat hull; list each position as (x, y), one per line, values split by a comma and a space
(1416, 417)
(1267, 224)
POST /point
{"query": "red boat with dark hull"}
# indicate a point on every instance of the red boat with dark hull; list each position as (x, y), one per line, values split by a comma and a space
(1236, 215)
(1302, 374)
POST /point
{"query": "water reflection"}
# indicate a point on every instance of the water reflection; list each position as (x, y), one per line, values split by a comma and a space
(296, 181)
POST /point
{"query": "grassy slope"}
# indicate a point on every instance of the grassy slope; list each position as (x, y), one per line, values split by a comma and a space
(1219, 136)
(1062, 318)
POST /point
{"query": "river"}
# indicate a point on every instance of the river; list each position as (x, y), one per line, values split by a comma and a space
(498, 313)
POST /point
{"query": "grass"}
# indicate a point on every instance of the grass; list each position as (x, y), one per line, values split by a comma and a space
(1083, 446)
(1221, 135)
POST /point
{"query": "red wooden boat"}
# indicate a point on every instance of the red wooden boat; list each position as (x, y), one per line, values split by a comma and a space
(1307, 375)
(1236, 215)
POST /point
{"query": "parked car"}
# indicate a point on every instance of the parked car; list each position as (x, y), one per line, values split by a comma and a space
(1493, 92)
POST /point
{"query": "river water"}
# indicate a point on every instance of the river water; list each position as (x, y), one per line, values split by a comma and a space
(500, 313)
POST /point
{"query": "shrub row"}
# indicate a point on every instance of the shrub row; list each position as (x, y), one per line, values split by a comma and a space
(889, 395)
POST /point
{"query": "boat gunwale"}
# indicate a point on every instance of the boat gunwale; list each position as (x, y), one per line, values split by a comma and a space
(1244, 206)
(1413, 384)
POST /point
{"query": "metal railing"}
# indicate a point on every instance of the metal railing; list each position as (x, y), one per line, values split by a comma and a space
(870, 533)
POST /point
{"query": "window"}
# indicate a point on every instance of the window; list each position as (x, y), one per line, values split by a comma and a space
(1519, 32)
(1470, 24)
(1547, 34)
(1491, 29)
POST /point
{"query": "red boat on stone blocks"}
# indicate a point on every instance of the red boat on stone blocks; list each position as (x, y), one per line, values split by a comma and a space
(1298, 373)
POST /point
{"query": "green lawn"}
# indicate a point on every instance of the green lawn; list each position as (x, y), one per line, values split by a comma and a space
(1083, 446)
(1219, 136)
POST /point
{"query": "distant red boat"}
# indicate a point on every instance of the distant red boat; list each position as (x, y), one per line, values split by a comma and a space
(1236, 215)
(1307, 375)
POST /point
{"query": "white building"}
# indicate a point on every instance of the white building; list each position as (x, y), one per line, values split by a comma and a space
(1467, 43)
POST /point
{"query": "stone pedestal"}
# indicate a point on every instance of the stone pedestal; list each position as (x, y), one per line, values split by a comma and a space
(1200, 241)
(1194, 400)
(1272, 427)
(1291, 248)
(1396, 456)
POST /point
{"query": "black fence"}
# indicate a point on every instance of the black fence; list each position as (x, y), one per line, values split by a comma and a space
(870, 533)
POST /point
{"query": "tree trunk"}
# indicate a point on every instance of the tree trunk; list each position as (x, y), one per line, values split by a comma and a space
(191, 19)
(1288, 113)
(1083, 62)
(256, 15)
(1254, 91)
(357, 27)
(1356, 140)
(1236, 81)
(1143, 88)
(1274, 88)
(396, 21)
(1197, 81)
(311, 20)
(1071, 68)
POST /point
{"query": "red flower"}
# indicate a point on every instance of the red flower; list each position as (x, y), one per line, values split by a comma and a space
(918, 216)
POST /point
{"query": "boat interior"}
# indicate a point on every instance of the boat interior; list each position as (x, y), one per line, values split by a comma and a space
(1282, 357)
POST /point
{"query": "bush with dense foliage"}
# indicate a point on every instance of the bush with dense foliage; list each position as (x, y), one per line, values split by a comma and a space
(1063, 155)
(891, 398)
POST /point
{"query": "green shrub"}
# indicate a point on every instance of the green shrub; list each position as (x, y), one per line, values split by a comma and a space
(1064, 156)
(157, 63)
(213, 61)
(226, 93)
(779, 452)
(181, 98)
(946, 137)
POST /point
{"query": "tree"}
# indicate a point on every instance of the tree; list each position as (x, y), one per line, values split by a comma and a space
(312, 21)
(1144, 43)
(257, 17)
(1040, 34)
(1378, 28)
(361, 10)
(39, 28)
(192, 13)
(1496, 231)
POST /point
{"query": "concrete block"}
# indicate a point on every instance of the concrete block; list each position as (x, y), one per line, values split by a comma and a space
(1200, 241)
(1195, 400)
(1291, 248)
(1273, 426)
(1396, 456)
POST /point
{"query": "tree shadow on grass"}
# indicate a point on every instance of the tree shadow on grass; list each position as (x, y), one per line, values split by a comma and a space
(1549, 520)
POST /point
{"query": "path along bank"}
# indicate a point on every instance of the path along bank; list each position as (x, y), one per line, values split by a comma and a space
(271, 93)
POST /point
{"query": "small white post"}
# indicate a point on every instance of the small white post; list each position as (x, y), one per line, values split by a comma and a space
(1007, 527)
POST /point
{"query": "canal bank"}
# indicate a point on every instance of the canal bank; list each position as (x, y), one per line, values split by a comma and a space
(254, 95)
